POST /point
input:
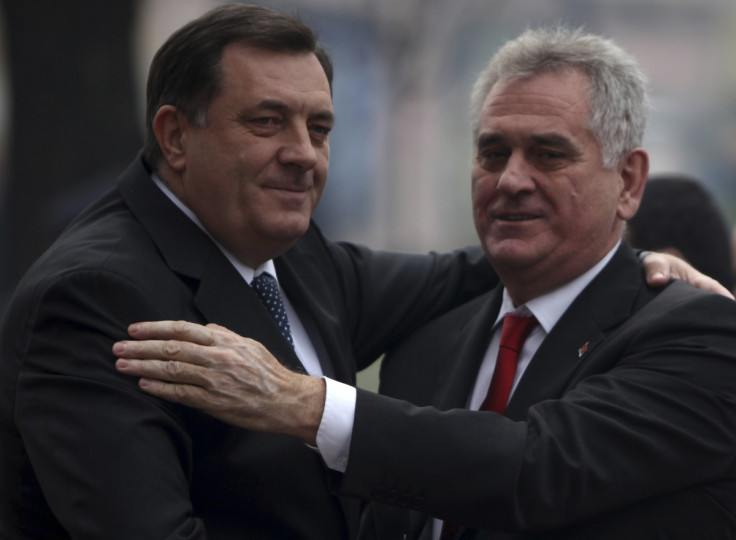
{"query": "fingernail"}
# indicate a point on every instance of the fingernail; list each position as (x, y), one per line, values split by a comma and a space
(134, 328)
(122, 363)
(119, 347)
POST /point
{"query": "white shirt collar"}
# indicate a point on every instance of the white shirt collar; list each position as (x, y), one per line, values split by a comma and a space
(244, 270)
(549, 308)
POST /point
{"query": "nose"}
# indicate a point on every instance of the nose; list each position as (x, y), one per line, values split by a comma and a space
(517, 176)
(298, 149)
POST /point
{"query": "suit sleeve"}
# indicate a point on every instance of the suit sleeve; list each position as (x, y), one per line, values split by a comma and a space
(113, 463)
(661, 417)
(388, 295)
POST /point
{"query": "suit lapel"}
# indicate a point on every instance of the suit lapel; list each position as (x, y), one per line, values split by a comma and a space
(602, 306)
(304, 281)
(468, 351)
(220, 293)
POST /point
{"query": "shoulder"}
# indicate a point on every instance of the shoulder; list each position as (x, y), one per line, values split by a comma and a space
(681, 303)
(104, 251)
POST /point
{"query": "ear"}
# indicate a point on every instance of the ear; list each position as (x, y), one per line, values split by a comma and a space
(170, 127)
(634, 173)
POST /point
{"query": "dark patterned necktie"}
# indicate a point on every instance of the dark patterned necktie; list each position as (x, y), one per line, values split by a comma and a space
(267, 289)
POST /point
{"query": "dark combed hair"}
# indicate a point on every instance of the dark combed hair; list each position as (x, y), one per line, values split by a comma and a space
(186, 70)
(678, 212)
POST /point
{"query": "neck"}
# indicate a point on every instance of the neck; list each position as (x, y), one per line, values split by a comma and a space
(523, 286)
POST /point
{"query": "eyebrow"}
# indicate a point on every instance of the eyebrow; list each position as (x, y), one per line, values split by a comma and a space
(553, 139)
(489, 138)
(281, 107)
(544, 139)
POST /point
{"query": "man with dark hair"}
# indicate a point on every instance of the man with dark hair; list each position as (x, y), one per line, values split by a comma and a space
(191, 85)
(573, 401)
(214, 215)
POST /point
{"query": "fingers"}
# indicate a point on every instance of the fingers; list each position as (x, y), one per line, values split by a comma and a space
(661, 267)
(181, 351)
(658, 268)
(174, 381)
(174, 330)
(222, 330)
(164, 370)
(178, 340)
(710, 284)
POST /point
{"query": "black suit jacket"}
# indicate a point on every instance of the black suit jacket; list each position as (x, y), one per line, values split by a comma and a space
(623, 425)
(85, 454)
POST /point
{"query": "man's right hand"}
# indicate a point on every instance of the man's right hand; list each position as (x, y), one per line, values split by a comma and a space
(230, 377)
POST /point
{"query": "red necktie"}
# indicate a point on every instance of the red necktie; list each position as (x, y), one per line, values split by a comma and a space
(513, 334)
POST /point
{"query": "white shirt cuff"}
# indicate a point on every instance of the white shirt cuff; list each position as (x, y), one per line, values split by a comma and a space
(336, 428)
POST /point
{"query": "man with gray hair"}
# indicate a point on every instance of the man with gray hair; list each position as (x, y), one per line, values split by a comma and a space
(573, 401)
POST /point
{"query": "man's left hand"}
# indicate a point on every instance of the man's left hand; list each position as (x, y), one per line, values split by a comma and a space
(661, 267)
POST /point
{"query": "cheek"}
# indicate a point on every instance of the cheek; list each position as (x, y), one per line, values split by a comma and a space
(320, 180)
(483, 188)
(480, 214)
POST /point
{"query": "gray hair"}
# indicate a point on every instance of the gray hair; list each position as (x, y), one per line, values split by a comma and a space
(618, 94)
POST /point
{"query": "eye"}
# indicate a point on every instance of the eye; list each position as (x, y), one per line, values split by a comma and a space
(264, 126)
(321, 130)
(492, 158)
(264, 121)
(320, 133)
(551, 154)
(550, 158)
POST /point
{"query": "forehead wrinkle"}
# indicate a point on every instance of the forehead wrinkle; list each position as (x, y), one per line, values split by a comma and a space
(506, 95)
(516, 97)
(498, 122)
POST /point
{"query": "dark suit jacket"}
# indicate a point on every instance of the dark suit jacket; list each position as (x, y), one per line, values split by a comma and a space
(622, 427)
(84, 453)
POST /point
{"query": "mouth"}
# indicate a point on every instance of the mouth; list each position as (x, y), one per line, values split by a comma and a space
(517, 217)
(289, 196)
(287, 188)
(508, 216)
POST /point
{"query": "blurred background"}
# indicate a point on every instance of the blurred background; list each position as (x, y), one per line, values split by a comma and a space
(72, 78)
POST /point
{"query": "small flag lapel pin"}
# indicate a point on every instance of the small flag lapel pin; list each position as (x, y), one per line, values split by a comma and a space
(582, 350)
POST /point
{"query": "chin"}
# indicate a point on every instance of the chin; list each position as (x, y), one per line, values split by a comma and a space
(509, 253)
(291, 230)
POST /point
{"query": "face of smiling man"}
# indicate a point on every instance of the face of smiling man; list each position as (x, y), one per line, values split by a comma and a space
(544, 207)
(255, 173)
